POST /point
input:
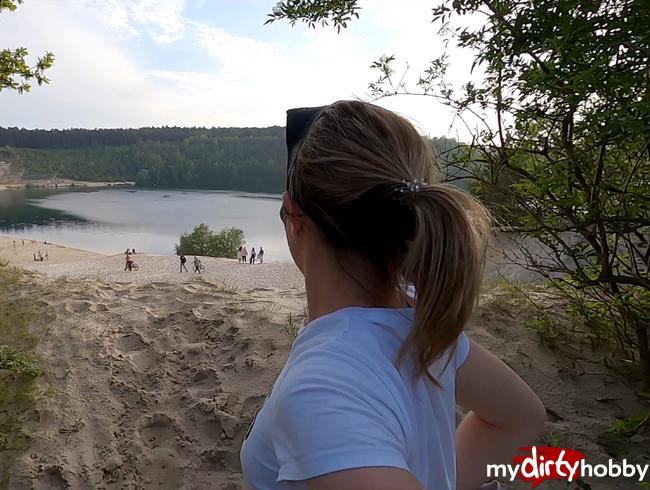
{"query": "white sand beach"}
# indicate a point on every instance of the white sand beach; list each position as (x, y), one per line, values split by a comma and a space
(74, 263)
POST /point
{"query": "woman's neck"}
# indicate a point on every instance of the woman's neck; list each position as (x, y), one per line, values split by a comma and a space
(333, 284)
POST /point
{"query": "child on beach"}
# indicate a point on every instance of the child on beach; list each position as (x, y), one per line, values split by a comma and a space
(260, 255)
(129, 262)
(197, 265)
(393, 263)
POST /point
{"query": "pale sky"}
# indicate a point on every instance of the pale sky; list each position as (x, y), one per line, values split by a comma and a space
(133, 63)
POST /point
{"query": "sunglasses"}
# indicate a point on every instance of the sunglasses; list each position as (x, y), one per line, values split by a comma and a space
(299, 122)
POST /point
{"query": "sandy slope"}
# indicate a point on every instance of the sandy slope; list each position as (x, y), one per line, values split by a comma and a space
(153, 383)
(152, 386)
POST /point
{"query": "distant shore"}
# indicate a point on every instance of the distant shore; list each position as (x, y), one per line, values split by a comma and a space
(61, 184)
(14, 179)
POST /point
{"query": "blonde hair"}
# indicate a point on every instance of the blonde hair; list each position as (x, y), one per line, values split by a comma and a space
(351, 175)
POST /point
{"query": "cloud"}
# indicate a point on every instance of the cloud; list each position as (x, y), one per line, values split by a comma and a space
(98, 81)
(162, 20)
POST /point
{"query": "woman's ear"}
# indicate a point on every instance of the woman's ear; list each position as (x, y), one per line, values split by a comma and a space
(289, 204)
(294, 215)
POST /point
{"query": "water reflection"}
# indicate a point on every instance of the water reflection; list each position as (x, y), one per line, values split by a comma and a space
(110, 220)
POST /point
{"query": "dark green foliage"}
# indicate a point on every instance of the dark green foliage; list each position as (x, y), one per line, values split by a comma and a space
(560, 146)
(249, 159)
(15, 73)
(15, 360)
(204, 242)
(311, 12)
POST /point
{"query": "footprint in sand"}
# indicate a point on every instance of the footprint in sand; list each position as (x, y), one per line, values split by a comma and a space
(205, 380)
(165, 469)
(51, 478)
(78, 306)
(157, 429)
(220, 459)
(144, 360)
(131, 342)
(126, 392)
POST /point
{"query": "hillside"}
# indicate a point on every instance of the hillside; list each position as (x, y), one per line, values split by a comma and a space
(250, 159)
(247, 159)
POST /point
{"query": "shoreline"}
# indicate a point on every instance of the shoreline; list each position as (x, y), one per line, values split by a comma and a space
(63, 184)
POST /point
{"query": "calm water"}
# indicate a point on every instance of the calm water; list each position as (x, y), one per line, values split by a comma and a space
(110, 220)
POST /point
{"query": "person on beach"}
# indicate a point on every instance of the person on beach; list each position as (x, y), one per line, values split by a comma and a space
(197, 265)
(129, 262)
(253, 255)
(260, 255)
(239, 254)
(47, 255)
(244, 254)
(183, 260)
(392, 262)
(133, 251)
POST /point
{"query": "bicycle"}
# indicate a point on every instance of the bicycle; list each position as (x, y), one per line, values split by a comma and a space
(201, 268)
(134, 267)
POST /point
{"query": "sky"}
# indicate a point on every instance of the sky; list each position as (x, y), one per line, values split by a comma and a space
(213, 63)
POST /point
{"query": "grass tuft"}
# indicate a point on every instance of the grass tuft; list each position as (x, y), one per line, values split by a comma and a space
(20, 318)
(291, 327)
(20, 362)
(631, 425)
(547, 329)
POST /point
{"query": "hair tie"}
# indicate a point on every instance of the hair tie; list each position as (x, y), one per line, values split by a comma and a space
(412, 186)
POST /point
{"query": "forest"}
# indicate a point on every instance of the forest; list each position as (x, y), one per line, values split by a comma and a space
(249, 159)
(246, 159)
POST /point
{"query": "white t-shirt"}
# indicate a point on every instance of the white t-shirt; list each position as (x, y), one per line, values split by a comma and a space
(340, 403)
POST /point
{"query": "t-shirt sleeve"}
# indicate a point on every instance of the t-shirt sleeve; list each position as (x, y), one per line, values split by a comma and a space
(462, 350)
(335, 413)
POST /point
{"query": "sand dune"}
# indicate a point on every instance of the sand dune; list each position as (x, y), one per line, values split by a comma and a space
(155, 384)
(152, 378)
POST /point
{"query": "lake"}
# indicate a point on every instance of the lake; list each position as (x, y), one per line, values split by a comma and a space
(151, 221)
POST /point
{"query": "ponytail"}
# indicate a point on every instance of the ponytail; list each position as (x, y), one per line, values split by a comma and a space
(349, 177)
(445, 264)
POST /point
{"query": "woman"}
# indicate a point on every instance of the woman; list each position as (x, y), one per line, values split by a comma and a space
(367, 398)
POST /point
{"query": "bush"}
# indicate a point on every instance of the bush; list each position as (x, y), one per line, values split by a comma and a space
(203, 241)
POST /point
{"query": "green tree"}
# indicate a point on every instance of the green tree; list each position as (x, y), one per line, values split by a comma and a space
(202, 241)
(15, 72)
(565, 143)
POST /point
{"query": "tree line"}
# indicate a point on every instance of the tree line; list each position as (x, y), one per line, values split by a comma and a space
(250, 159)
(247, 159)
(55, 139)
